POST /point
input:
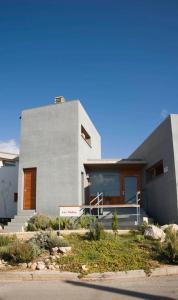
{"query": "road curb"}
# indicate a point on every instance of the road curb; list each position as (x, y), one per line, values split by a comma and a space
(56, 275)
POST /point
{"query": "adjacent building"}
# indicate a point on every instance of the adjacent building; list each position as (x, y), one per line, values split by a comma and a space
(8, 185)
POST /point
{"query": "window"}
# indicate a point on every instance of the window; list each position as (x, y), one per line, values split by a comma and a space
(15, 197)
(104, 182)
(85, 136)
(155, 171)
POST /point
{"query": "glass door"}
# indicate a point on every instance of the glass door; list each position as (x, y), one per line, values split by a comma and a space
(130, 189)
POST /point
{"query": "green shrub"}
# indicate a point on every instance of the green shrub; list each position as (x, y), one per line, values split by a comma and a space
(39, 222)
(169, 249)
(143, 227)
(5, 240)
(115, 222)
(55, 223)
(97, 232)
(86, 221)
(20, 252)
(47, 241)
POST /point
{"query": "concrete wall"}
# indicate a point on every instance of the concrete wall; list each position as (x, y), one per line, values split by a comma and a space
(8, 186)
(174, 123)
(50, 141)
(85, 151)
(160, 194)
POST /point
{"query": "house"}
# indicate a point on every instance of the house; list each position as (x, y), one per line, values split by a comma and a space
(60, 165)
(8, 185)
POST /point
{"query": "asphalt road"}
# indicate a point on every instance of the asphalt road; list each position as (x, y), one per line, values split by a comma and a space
(157, 288)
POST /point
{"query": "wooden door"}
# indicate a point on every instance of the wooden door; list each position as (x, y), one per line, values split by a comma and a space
(29, 188)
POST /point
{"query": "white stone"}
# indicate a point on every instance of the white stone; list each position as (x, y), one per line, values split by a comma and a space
(54, 250)
(40, 266)
(1, 228)
(84, 268)
(23, 265)
(29, 264)
(164, 227)
(51, 267)
(33, 266)
(154, 233)
(173, 227)
(65, 249)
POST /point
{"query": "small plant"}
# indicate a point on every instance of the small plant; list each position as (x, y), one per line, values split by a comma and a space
(5, 240)
(86, 221)
(47, 241)
(39, 222)
(169, 249)
(143, 227)
(97, 232)
(115, 222)
(20, 252)
(55, 223)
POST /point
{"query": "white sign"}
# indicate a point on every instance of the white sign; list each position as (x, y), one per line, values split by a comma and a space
(70, 211)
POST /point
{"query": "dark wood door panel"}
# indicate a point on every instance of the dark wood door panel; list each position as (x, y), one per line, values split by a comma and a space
(29, 188)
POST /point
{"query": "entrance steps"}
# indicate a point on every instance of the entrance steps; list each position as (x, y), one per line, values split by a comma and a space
(19, 222)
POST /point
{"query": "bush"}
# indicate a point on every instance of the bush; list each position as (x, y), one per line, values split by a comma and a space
(97, 232)
(5, 240)
(115, 222)
(143, 227)
(39, 222)
(169, 249)
(86, 221)
(20, 252)
(55, 223)
(49, 240)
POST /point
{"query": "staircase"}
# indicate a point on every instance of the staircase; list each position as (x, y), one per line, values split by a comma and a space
(19, 222)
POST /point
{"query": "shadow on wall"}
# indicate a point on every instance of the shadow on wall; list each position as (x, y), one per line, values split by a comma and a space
(134, 294)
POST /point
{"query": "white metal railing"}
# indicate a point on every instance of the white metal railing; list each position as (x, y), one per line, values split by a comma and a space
(98, 199)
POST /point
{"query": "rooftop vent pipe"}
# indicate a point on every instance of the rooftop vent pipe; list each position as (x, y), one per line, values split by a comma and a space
(59, 99)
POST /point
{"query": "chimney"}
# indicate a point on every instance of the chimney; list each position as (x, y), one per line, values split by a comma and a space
(59, 99)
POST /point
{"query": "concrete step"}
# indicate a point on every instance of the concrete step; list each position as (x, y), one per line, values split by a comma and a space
(19, 222)
(26, 213)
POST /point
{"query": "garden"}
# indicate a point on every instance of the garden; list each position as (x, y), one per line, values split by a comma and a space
(95, 251)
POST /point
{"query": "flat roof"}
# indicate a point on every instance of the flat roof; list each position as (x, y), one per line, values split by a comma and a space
(112, 162)
(8, 156)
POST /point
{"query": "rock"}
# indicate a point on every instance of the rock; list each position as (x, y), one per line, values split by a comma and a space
(29, 265)
(23, 265)
(1, 228)
(173, 227)
(84, 268)
(53, 257)
(164, 227)
(65, 249)
(61, 237)
(54, 250)
(47, 260)
(154, 233)
(33, 266)
(51, 267)
(40, 265)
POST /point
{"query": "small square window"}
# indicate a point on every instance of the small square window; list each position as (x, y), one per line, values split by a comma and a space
(85, 136)
(155, 171)
(15, 197)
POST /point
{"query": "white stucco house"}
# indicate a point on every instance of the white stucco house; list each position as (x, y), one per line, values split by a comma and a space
(8, 184)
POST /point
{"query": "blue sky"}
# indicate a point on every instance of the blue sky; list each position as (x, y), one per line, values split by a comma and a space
(120, 58)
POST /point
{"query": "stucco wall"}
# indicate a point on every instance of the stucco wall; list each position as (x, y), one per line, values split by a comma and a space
(85, 151)
(50, 141)
(160, 193)
(8, 186)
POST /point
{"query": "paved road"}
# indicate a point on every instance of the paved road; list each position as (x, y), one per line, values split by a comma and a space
(157, 288)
